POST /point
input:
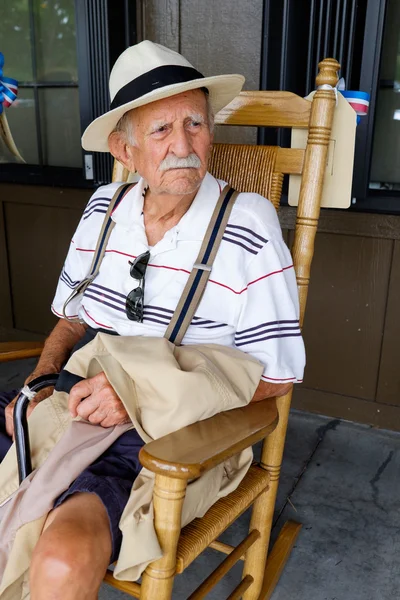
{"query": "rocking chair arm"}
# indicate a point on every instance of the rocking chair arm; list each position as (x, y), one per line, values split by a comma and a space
(18, 350)
(189, 452)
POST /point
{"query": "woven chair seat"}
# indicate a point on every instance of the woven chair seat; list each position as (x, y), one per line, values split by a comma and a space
(198, 534)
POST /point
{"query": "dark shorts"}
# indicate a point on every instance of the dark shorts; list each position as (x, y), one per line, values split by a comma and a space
(110, 477)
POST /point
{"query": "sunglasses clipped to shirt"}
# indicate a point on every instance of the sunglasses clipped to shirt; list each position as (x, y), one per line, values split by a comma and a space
(135, 298)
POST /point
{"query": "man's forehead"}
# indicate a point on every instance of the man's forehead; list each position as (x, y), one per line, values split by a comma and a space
(193, 101)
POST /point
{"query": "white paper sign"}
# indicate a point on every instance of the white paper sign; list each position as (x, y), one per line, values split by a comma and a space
(340, 161)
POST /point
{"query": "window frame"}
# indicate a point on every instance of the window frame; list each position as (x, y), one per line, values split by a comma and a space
(300, 37)
(364, 198)
(92, 55)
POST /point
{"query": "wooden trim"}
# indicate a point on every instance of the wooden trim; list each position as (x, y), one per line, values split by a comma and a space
(222, 547)
(19, 350)
(384, 416)
(225, 567)
(348, 223)
(266, 109)
(312, 181)
(290, 161)
(168, 497)
(129, 587)
(45, 196)
(241, 588)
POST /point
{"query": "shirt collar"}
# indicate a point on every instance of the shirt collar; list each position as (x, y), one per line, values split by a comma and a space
(192, 226)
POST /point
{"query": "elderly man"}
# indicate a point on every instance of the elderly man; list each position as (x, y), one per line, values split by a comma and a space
(160, 125)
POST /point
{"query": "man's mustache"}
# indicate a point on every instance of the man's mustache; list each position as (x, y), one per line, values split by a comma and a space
(171, 161)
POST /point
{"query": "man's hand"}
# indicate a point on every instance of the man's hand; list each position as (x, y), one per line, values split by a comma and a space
(95, 400)
(9, 411)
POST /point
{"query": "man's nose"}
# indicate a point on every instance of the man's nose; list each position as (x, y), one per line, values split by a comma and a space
(181, 144)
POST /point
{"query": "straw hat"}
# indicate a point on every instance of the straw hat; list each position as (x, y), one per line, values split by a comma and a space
(148, 72)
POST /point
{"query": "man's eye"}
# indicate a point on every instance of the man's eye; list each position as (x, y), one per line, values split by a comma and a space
(195, 123)
(161, 129)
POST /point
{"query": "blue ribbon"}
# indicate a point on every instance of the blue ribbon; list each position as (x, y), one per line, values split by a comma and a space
(8, 87)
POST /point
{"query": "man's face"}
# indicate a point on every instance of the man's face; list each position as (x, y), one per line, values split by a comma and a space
(166, 133)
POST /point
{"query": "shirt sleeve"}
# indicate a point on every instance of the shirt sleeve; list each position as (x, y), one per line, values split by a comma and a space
(76, 266)
(71, 275)
(268, 326)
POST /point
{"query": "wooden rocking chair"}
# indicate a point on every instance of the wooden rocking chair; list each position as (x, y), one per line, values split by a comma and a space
(189, 452)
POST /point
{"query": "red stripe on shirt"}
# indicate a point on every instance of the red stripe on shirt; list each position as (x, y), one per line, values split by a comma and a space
(186, 271)
(94, 320)
(113, 251)
(62, 316)
(269, 274)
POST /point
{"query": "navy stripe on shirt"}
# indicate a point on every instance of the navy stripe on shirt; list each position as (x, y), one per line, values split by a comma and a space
(247, 230)
(269, 337)
(268, 324)
(251, 250)
(100, 293)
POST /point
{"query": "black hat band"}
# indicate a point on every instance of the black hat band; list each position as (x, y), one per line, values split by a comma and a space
(152, 80)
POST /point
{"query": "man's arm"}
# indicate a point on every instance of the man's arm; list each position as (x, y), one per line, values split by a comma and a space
(270, 390)
(95, 400)
(56, 352)
(57, 347)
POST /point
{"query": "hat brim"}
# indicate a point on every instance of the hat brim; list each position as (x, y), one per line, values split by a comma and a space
(222, 90)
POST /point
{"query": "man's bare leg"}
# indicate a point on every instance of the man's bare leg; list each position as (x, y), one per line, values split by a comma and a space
(73, 552)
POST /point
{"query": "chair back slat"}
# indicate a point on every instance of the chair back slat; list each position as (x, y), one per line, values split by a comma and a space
(266, 109)
(290, 161)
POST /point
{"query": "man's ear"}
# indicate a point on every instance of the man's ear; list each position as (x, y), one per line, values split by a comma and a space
(121, 150)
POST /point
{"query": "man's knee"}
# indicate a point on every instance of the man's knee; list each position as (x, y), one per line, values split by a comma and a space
(62, 561)
(74, 549)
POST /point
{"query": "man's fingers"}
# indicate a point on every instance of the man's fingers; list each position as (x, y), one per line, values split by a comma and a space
(88, 406)
(113, 420)
(97, 417)
(81, 390)
(95, 400)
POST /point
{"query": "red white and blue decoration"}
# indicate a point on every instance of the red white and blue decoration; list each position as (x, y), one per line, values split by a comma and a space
(8, 87)
(8, 94)
(359, 101)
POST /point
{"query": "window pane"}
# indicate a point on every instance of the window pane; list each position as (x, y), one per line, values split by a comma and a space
(385, 172)
(55, 40)
(21, 118)
(60, 125)
(15, 40)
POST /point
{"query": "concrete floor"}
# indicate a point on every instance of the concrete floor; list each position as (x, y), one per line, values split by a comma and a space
(341, 481)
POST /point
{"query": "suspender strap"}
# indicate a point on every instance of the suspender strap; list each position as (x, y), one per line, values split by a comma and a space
(198, 278)
(105, 232)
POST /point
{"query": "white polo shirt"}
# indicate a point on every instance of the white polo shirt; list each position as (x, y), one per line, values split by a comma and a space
(250, 301)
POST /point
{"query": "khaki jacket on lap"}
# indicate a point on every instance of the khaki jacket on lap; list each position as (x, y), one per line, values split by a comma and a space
(164, 388)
